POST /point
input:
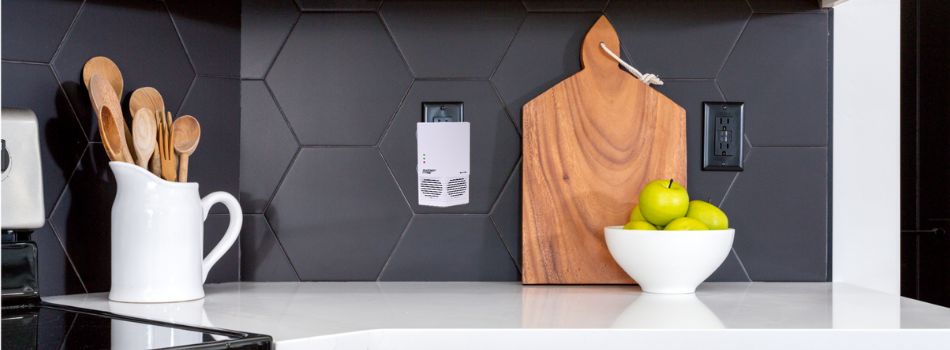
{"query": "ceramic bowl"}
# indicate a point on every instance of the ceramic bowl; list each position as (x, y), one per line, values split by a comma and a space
(669, 262)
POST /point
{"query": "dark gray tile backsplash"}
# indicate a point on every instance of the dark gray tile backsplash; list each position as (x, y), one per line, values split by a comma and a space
(312, 123)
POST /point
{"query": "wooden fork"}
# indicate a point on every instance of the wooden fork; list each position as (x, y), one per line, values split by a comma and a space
(166, 146)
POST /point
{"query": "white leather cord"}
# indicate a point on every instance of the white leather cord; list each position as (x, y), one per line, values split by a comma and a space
(649, 78)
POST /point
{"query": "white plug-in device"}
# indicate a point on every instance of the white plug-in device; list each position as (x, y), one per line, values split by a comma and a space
(443, 163)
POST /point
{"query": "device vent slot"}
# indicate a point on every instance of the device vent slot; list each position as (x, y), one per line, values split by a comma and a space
(431, 188)
(457, 187)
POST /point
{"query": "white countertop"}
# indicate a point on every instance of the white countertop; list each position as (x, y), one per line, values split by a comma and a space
(391, 315)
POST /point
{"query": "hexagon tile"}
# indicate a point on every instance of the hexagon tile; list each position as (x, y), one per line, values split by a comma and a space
(265, 25)
(339, 79)
(267, 146)
(104, 29)
(338, 213)
(678, 39)
(57, 274)
(450, 248)
(209, 28)
(33, 29)
(262, 256)
(545, 51)
(461, 39)
(495, 144)
(506, 215)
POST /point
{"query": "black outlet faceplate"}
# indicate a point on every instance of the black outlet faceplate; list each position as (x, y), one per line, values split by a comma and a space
(723, 136)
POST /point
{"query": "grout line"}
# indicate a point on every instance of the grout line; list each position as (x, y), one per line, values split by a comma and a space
(68, 257)
(85, 134)
(504, 107)
(503, 244)
(729, 189)
(508, 182)
(181, 39)
(72, 324)
(281, 244)
(742, 265)
(389, 259)
(194, 81)
(392, 120)
(69, 31)
(222, 76)
(395, 180)
(453, 79)
(336, 146)
(69, 180)
(35, 63)
(280, 49)
(280, 182)
(280, 109)
(735, 43)
(392, 38)
(511, 42)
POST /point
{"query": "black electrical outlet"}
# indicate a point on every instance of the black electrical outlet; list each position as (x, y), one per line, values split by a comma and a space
(441, 112)
(722, 136)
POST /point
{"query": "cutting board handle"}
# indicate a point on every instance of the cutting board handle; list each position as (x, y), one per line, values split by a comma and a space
(593, 57)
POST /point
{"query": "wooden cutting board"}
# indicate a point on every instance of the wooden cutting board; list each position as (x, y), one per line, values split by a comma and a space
(590, 144)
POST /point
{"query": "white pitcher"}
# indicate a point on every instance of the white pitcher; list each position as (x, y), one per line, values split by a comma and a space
(158, 237)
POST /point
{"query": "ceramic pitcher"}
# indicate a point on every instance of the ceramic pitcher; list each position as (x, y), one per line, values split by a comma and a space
(158, 237)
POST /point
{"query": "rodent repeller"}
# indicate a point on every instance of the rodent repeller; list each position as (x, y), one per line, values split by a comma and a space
(442, 141)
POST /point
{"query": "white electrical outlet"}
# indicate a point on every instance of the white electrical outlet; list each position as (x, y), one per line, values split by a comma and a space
(443, 163)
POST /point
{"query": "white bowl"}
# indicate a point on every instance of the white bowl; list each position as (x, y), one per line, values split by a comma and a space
(669, 261)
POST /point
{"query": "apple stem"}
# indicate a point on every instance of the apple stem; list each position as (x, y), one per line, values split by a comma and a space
(671, 184)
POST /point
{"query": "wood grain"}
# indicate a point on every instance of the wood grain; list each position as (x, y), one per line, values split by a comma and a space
(104, 98)
(591, 143)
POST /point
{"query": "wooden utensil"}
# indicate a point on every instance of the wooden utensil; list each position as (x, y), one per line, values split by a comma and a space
(101, 65)
(166, 150)
(103, 96)
(111, 135)
(148, 98)
(143, 133)
(187, 133)
(591, 143)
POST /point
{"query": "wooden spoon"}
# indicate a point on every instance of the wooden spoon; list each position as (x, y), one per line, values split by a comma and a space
(102, 65)
(111, 136)
(147, 98)
(143, 132)
(103, 95)
(186, 132)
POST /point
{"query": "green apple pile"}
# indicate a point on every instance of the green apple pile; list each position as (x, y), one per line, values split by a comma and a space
(665, 205)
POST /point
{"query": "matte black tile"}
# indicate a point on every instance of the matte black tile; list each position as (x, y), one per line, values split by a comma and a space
(338, 213)
(339, 79)
(33, 29)
(265, 25)
(83, 218)
(495, 145)
(784, 83)
(267, 146)
(450, 248)
(453, 39)
(506, 215)
(62, 142)
(57, 276)
(262, 257)
(792, 6)
(709, 186)
(678, 39)
(339, 5)
(215, 165)
(211, 32)
(729, 271)
(140, 38)
(545, 51)
(565, 6)
(779, 208)
(228, 269)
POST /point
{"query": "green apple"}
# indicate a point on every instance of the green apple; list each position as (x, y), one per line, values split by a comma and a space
(686, 224)
(639, 225)
(709, 214)
(635, 214)
(661, 201)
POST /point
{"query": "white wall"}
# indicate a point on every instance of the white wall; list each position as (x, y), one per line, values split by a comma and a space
(866, 187)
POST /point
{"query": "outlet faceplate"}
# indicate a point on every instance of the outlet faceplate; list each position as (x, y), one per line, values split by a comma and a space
(722, 136)
(441, 112)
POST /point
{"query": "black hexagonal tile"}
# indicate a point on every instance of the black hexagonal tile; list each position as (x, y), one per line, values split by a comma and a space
(495, 144)
(784, 83)
(267, 146)
(351, 97)
(506, 215)
(211, 32)
(545, 51)
(262, 257)
(215, 164)
(33, 29)
(779, 209)
(785, 6)
(339, 5)
(453, 39)
(140, 38)
(83, 218)
(450, 248)
(228, 268)
(338, 213)
(690, 94)
(62, 142)
(57, 275)
(565, 6)
(678, 39)
(265, 25)
(730, 271)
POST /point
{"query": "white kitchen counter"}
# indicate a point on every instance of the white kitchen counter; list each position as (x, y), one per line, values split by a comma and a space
(368, 315)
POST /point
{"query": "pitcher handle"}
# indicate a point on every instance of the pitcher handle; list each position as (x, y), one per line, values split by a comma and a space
(231, 235)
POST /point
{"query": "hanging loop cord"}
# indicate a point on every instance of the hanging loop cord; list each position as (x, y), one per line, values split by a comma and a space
(649, 78)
